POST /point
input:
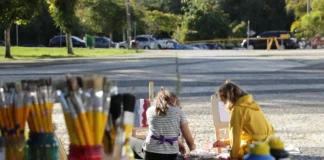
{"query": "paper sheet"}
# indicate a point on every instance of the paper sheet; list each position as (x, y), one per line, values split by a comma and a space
(223, 114)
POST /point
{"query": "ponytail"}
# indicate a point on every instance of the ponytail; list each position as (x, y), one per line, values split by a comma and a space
(162, 103)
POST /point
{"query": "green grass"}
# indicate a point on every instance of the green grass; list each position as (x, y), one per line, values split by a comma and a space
(34, 53)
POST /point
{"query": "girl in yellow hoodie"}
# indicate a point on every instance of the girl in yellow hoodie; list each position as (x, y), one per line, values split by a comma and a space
(248, 124)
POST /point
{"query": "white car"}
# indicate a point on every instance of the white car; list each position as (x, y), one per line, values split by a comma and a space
(145, 42)
(122, 45)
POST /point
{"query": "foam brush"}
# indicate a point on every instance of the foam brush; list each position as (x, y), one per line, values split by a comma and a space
(112, 125)
(128, 122)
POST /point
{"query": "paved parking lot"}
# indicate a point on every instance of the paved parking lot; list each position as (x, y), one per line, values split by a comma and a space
(289, 86)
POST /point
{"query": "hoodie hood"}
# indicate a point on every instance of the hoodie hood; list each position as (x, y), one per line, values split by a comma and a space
(247, 102)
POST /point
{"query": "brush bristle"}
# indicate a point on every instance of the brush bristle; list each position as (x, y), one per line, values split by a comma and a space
(79, 80)
(74, 84)
(98, 82)
(129, 102)
(115, 106)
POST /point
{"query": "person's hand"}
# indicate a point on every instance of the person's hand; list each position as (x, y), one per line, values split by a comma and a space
(182, 149)
(220, 144)
(192, 147)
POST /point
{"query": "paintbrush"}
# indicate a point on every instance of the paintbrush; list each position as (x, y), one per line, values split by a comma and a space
(77, 102)
(42, 99)
(111, 128)
(76, 122)
(128, 122)
(68, 118)
(97, 99)
(49, 102)
(19, 115)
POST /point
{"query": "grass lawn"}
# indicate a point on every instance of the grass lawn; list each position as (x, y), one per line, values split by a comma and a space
(34, 53)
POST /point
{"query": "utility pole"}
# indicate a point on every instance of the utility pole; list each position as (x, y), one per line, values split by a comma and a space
(248, 35)
(129, 36)
(17, 38)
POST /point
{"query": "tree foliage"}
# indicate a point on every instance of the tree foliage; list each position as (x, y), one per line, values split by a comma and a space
(63, 13)
(101, 19)
(307, 25)
(165, 6)
(18, 11)
(157, 21)
(263, 14)
(203, 20)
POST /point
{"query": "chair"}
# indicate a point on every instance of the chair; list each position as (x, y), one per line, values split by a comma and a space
(220, 119)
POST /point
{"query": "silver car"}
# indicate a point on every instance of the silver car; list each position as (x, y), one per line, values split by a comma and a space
(145, 42)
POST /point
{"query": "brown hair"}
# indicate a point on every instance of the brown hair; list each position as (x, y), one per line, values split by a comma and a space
(163, 101)
(229, 93)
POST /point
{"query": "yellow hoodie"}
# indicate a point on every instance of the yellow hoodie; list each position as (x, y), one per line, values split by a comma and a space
(247, 124)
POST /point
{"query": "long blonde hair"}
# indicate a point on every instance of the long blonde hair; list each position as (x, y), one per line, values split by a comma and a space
(163, 101)
(229, 93)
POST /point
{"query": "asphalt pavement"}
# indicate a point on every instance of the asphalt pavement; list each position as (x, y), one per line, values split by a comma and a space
(289, 86)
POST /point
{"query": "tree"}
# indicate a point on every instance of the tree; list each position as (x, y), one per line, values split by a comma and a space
(157, 21)
(263, 14)
(203, 20)
(103, 16)
(307, 25)
(165, 6)
(19, 11)
(63, 13)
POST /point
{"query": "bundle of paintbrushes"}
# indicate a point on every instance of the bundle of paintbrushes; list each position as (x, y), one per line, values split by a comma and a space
(41, 143)
(85, 104)
(14, 111)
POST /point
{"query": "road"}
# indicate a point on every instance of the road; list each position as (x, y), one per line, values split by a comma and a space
(289, 86)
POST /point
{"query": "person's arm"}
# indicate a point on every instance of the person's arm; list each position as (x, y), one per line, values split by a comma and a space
(184, 127)
(182, 148)
(236, 124)
(187, 136)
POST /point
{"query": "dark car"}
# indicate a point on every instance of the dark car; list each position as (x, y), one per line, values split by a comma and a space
(60, 41)
(291, 43)
(2, 43)
(103, 42)
(214, 46)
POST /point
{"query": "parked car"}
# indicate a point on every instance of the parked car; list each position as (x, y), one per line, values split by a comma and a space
(60, 41)
(103, 42)
(219, 46)
(122, 45)
(291, 43)
(2, 43)
(172, 44)
(145, 42)
(187, 47)
(200, 46)
(163, 43)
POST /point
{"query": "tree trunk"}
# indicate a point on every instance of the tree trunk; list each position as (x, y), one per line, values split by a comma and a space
(7, 41)
(69, 44)
(111, 39)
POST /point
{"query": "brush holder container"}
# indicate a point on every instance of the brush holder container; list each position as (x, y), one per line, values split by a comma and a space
(14, 148)
(42, 146)
(85, 152)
